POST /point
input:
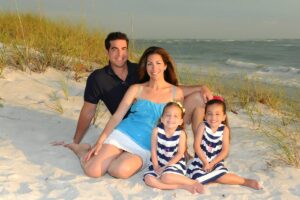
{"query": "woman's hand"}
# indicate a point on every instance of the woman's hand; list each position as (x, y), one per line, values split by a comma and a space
(93, 151)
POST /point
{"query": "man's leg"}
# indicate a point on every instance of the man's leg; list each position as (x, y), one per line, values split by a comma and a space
(194, 107)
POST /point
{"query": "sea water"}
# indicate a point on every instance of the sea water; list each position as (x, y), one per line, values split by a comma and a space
(269, 61)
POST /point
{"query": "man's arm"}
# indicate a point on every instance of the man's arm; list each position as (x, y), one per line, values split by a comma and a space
(86, 115)
(203, 89)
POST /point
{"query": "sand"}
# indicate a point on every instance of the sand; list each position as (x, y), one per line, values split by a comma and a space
(31, 168)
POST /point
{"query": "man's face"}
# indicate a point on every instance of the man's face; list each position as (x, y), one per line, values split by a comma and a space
(118, 53)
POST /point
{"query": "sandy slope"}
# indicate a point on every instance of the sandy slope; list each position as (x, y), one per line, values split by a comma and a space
(30, 168)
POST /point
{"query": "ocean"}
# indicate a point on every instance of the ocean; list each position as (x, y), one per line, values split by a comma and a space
(270, 61)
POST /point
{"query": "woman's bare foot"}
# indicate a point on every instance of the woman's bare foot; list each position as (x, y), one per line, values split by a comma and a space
(252, 184)
(195, 188)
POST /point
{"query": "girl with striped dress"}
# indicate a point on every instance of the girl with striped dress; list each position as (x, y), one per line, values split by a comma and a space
(211, 145)
(168, 144)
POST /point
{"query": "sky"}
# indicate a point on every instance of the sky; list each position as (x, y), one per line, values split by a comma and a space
(175, 19)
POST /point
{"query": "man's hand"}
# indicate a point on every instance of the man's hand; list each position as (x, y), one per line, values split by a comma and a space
(61, 143)
(206, 93)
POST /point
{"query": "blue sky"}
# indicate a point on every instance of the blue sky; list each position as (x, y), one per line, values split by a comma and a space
(203, 19)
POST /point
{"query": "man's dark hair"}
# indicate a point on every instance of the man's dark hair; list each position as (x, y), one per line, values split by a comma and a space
(115, 36)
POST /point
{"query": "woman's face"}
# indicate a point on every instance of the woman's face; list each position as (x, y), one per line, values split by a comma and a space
(155, 66)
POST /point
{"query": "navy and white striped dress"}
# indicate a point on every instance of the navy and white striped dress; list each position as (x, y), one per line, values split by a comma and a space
(211, 145)
(167, 148)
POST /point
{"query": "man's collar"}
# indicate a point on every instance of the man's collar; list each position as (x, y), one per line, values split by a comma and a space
(110, 71)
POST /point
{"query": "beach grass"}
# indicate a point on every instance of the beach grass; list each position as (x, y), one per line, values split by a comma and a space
(36, 42)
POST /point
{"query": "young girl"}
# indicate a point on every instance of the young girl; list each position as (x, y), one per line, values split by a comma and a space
(211, 146)
(168, 144)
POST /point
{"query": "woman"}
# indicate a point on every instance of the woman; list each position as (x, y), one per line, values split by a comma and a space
(123, 147)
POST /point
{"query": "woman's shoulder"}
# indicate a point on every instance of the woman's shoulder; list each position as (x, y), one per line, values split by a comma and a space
(179, 93)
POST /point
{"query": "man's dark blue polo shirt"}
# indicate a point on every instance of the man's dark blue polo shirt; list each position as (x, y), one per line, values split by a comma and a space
(103, 84)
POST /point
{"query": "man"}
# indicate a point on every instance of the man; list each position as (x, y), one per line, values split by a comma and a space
(110, 83)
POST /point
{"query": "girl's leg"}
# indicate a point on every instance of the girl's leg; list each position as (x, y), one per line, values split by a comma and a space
(234, 179)
(98, 164)
(182, 182)
(125, 165)
(157, 183)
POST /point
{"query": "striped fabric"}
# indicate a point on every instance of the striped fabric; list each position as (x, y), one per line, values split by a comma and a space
(211, 145)
(167, 148)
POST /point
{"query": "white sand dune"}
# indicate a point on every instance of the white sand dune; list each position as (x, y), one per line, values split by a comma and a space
(31, 168)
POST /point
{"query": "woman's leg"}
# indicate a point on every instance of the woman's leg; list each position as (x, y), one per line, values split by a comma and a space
(234, 179)
(125, 165)
(182, 182)
(97, 165)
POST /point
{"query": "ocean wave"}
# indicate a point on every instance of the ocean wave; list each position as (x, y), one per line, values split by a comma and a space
(281, 69)
(238, 63)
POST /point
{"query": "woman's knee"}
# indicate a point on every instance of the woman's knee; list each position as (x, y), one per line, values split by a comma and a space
(121, 171)
(93, 171)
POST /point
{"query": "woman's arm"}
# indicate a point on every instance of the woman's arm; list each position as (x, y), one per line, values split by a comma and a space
(225, 148)
(154, 149)
(115, 119)
(181, 149)
(197, 144)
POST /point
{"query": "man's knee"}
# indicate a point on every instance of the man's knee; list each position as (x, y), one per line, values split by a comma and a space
(194, 100)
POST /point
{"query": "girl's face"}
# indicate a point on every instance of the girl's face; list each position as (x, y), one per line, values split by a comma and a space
(214, 115)
(172, 117)
(155, 66)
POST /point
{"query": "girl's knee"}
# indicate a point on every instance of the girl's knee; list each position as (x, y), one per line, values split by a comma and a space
(166, 178)
(149, 179)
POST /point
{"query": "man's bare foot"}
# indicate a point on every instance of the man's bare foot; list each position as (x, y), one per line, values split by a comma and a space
(195, 188)
(252, 184)
(80, 150)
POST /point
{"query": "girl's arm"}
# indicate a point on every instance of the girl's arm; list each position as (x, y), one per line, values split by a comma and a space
(154, 149)
(115, 119)
(181, 149)
(225, 148)
(197, 144)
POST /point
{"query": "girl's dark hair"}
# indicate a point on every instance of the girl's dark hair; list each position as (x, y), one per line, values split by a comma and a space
(115, 36)
(169, 73)
(172, 103)
(218, 102)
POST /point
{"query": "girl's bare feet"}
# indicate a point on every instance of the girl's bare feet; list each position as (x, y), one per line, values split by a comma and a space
(195, 188)
(252, 184)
